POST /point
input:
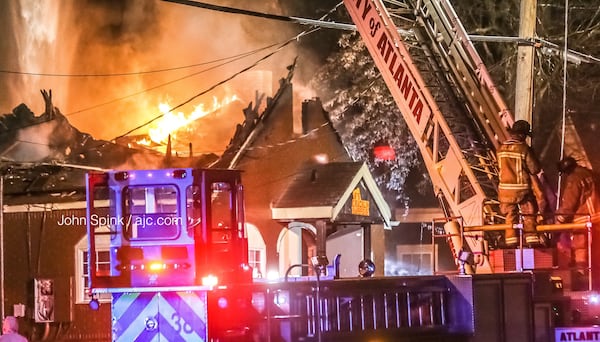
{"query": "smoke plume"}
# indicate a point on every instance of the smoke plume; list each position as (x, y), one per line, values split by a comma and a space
(104, 37)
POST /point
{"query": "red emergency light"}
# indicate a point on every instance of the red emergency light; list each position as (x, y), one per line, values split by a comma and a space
(210, 280)
(179, 174)
(384, 152)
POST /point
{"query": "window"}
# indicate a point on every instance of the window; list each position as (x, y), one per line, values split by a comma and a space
(151, 212)
(194, 206)
(256, 251)
(255, 261)
(221, 206)
(413, 260)
(81, 268)
(311, 251)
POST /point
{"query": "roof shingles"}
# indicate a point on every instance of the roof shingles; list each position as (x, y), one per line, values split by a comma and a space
(318, 185)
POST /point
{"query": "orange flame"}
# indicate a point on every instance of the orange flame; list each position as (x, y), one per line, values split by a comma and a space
(144, 142)
(171, 121)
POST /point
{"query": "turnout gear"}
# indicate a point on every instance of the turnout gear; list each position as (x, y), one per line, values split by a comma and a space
(579, 202)
(517, 167)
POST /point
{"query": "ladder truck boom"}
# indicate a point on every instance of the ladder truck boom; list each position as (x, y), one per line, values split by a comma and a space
(442, 26)
(458, 153)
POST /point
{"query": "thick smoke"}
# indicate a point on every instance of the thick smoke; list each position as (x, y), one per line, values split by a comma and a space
(91, 37)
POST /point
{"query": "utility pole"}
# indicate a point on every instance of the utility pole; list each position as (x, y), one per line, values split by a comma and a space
(525, 61)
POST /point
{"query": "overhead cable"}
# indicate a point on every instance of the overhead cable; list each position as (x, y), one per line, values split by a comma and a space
(136, 73)
(574, 56)
(217, 84)
(170, 82)
(298, 20)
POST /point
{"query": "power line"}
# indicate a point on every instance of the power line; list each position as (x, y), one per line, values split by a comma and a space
(575, 56)
(132, 73)
(238, 57)
(547, 47)
(297, 37)
(303, 21)
(297, 20)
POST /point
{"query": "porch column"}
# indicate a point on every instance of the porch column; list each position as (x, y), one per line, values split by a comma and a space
(290, 252)
(321, 226)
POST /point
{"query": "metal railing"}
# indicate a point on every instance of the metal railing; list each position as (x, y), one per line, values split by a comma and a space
(339, 309)
(540, 228)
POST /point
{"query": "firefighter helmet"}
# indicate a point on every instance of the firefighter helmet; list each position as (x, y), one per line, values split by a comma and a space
(566, 165)
(521, 127)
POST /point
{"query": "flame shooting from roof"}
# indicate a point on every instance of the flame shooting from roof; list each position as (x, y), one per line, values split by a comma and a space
(171, 121)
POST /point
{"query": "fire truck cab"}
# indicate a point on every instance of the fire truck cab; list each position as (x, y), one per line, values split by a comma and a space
(174, 234)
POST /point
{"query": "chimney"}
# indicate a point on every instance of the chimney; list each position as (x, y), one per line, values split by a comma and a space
(313, 115)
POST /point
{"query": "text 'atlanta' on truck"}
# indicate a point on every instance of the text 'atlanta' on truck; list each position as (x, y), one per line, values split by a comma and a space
(172, 235)
(449, 103)
(458, 120)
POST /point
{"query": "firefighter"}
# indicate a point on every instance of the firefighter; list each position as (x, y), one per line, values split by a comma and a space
(518, 168)
(579, 202)
(10, 330)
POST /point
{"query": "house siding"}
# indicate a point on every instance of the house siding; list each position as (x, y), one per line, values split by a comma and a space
(36, 246)
(276, 155)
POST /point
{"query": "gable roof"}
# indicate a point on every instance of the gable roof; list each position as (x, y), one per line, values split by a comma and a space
(321, 191)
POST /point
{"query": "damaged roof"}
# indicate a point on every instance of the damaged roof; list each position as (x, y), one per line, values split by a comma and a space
(42, 183)
(44, 159)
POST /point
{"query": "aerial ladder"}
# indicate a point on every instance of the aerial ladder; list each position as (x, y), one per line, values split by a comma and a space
(449, 103)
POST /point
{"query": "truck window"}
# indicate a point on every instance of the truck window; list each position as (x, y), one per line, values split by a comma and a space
(151, 212)
(193, 206)
(221, 205)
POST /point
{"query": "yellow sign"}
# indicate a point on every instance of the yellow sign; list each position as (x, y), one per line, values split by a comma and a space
(359, 206)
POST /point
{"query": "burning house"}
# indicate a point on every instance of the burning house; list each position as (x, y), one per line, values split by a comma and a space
(44, 234)
(43, 229)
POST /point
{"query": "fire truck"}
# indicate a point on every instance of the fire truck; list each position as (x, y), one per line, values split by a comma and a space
(174, 234)
(178, 247)
(179, 272)
(458, 119)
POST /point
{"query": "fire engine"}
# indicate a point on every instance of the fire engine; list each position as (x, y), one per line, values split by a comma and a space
(179, 272)
(173, 234)
(178, 247)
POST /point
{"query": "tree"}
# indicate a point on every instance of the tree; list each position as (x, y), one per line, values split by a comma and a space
(501, 18)
(365, 114)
